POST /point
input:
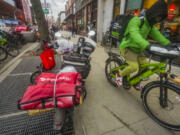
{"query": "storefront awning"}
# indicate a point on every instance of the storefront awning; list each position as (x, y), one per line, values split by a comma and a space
(9, 21)
(134, 4)
(69, 17)
(8, 10)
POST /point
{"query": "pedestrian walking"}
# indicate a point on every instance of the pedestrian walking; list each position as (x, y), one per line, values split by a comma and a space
(73, 31)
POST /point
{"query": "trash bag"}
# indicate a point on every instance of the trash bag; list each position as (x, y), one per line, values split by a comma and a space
(68, 69)
(64, 46)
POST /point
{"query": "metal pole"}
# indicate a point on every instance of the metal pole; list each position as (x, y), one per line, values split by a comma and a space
(15, 14)
(51, 14)
(45, 4)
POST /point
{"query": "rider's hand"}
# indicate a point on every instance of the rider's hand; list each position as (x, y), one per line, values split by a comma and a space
(171, 46)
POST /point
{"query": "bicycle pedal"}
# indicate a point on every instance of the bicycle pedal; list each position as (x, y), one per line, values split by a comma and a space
(173, 76)
(138, 87)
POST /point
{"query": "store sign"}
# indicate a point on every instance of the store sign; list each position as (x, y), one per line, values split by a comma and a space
(46, 11)
(14, 22)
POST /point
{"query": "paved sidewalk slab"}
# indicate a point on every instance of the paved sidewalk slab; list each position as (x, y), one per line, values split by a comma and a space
(149, 127)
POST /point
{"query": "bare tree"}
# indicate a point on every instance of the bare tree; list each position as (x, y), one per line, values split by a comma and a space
(40, 18)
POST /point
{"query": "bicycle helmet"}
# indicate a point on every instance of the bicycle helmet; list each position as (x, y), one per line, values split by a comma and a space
(157, 13)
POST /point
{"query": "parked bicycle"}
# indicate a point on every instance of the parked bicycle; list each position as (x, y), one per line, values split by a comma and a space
(3, 54)
(11, 49)
(161, 99)
(41, 68)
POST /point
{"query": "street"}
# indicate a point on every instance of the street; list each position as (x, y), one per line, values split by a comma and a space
(59, 60)
(106, 110)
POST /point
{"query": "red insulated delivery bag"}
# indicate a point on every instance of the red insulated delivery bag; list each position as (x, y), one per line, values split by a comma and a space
(41, 96)
(69, 91)
(47, 58)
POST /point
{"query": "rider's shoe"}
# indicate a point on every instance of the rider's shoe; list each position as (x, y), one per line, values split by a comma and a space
(139, 87)
(118, 80)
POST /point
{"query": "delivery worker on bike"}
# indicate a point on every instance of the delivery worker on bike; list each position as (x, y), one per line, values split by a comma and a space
(135, 41)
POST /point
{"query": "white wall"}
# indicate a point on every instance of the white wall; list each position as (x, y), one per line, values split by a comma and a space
(100, 19)
(122, 6)
(108, 14)
(105, 12)
(63, 17)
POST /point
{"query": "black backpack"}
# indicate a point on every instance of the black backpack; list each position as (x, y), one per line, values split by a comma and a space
(119, 26)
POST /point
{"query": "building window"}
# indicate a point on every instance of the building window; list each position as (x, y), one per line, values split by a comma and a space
(133, 7)
(116, 8)
(171, 26)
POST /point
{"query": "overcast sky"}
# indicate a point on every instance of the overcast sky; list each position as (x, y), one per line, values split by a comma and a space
(56, 6)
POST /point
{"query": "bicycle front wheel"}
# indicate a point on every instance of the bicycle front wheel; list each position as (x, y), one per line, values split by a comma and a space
(12, 50)
(162, 104)
(34, 76)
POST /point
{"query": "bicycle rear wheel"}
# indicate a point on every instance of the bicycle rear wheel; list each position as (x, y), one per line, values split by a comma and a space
(162, 104)
(3, 54)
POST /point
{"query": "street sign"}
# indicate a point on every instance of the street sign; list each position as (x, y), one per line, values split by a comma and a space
(47, 5)
(46, 11)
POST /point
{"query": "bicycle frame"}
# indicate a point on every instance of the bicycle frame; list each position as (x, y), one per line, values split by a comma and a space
(3, 42)
(152, 68)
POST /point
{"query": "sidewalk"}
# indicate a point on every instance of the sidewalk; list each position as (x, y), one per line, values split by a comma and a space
(112, 111)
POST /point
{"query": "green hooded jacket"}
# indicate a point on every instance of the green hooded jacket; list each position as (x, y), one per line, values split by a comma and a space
(137, 36)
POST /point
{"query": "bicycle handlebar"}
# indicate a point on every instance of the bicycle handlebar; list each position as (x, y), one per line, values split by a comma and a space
(170, 51)
(170, 47)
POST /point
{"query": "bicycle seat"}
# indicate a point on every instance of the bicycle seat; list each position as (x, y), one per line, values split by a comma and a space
(163, 52)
